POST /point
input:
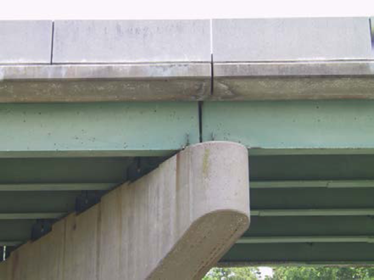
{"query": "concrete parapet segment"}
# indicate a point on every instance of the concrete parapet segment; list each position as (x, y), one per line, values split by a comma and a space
(292, 39)
(174, 223)
(131, 41)
(135, 60)
(98, 83)
(288, 59)
(175, 60)
(25, 42)
(293, 81)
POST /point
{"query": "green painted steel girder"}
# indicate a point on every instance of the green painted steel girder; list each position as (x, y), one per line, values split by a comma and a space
(58, 187)
(37, 202)
(312, 198)
(91, 129)
(311, 167)
(15, 231)
(300, 253)
(293, 127)
(306, 239)
(311, 212)
(154, 129)
(254, 185)
(267, 226)
(311, 184)
(32, 216)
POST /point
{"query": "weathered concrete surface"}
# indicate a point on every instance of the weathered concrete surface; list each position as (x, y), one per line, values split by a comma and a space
(25, 42)
(95, 83)
(3, 270)
(258, 40)
(293, 81)
(173, 223)
(170, 60)
(131, 41)
(286, 59)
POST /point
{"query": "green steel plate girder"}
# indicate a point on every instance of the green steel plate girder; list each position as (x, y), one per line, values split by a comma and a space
(37, 202)
(47, 150)
(311, 226)
(293, 127)
(311, 198)
(160, 128)
(311, 167)
(318, 253)
(105, 129)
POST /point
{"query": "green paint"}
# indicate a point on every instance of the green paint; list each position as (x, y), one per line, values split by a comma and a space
(311, 212)
(306, 239)
(59, 187)
(312, 198)
(32, 216)
(311, 184)
(358, 253)
(122, 129)
(302, 188)
(292, 126)
(37, 202)
(310, 226)
(311, 167)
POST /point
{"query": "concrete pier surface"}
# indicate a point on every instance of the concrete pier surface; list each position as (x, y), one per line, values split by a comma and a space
(174, 223)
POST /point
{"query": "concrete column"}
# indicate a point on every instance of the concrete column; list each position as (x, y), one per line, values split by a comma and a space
(3, 271)
(174, 223)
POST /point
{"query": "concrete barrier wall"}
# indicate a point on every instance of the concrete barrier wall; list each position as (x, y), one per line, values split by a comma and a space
(164, 41)
(25, 42)
(300, 39)
(148, 60)
(137, 41)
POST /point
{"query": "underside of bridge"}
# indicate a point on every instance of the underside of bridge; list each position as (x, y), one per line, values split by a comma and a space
(88, 106)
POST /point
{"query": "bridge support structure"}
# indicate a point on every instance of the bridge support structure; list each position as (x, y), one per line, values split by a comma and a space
(173, 223)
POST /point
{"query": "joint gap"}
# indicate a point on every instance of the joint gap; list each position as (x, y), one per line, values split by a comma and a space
(200, 121)
(52, 40)
(211, 75)
(371, 30)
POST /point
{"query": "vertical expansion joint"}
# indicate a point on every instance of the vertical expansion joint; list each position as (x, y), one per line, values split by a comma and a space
(212, 75)
(52, 40)
(200, 121)
(371, 25)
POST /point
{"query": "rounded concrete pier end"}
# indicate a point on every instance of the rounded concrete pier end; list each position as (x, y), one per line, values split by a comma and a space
(173, 223)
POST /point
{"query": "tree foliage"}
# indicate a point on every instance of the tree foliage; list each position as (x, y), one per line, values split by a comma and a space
(293, 273)
(233, 273)
(322, 273)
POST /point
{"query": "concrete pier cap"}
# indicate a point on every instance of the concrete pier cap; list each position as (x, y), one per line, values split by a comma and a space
(173, 223)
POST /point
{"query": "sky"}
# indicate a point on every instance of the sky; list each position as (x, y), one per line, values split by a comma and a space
(180, 9)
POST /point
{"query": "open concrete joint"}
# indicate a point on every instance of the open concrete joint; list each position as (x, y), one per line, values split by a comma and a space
(174, 223)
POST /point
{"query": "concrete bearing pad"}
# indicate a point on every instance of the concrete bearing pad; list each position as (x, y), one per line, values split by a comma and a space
(174, 223)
